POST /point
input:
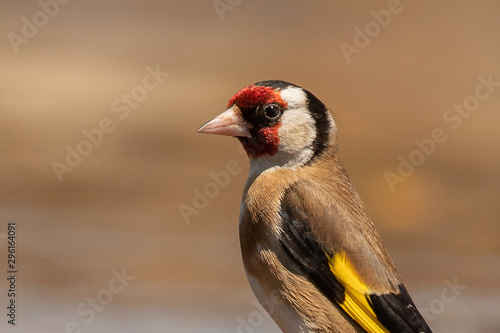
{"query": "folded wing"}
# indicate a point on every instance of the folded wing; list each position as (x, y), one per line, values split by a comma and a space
(327, 261)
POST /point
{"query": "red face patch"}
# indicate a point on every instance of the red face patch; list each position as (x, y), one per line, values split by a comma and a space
(266, 142)
(252, 96)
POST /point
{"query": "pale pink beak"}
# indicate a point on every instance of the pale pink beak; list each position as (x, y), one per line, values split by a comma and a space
(229, 122)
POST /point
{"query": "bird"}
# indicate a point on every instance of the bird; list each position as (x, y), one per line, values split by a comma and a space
(311, 253)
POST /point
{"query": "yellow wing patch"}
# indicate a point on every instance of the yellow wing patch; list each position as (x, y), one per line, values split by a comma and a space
(355, 303)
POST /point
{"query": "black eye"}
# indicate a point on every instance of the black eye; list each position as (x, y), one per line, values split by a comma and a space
(271, 111)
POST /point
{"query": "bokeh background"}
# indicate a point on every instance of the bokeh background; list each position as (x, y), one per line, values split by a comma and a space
(119, 209)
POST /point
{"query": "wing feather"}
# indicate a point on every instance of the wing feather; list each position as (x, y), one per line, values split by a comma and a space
(331, 269)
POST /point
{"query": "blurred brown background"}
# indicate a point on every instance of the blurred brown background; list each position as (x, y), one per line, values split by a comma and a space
(119, 207)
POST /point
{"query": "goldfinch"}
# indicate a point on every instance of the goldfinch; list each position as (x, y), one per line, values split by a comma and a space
(311, 253)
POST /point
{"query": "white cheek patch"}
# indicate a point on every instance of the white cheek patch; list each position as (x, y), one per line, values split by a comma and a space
(298, 128)
(297, 131)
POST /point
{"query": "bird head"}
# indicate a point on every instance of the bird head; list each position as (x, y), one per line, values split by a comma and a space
(276, 122)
